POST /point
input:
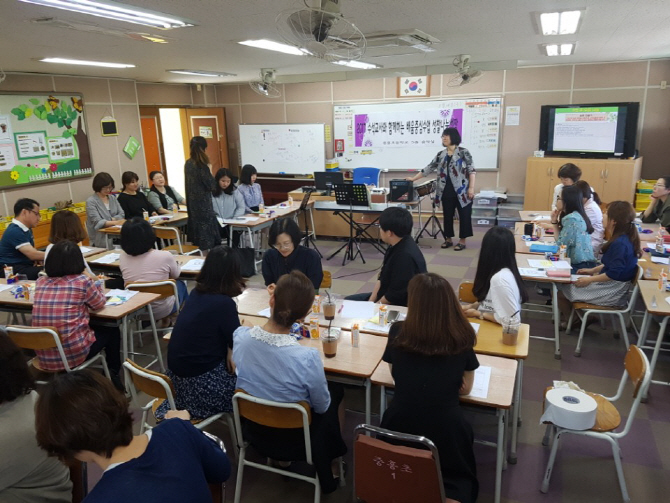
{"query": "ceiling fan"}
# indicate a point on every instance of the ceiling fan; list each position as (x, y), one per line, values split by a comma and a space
(466, 74)
(266, 86)
(321, 31)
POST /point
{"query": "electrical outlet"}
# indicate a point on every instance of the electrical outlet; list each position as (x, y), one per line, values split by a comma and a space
(664, 84)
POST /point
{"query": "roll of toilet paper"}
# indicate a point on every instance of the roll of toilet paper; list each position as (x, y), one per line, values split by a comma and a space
(569, 409)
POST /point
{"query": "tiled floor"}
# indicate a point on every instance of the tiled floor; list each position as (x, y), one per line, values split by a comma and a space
(584, 470)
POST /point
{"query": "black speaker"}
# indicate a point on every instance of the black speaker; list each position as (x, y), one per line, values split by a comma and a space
(402, 191)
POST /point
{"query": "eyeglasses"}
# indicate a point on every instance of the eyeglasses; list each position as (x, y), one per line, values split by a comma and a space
(283, 246)
(660, 186)
(37, 213)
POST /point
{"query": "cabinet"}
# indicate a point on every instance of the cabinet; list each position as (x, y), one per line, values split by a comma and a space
(42, 230)
(612, 179)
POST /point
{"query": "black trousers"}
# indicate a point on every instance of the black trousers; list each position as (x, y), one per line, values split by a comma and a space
(449, 206)
(109, 339)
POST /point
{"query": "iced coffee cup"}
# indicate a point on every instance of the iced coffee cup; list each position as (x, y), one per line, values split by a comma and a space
(329, 339)
(329, 309)
(510, 326)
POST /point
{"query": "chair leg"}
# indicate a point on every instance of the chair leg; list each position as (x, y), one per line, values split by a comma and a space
(550, 465)
(548, 432)
(240, 472)
(568, 328)
(105, 369)
(578, 349)
(159, 352)
(616, 451)
(317, 491)
(624, 330)
(341, 467)
(230, 421)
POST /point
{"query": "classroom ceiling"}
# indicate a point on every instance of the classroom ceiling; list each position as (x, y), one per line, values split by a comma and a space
(496, 33)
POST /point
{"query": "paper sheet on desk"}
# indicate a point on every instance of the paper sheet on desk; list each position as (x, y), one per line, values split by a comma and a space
(532, 273)
(117, 297)
(373, 325)
(540, 217)
(265, 312)
(357, 309)
(233, 221)
(548, 264)
(475, 326)
(660, 260)
(6, 287)
(480, 388)
(193, 264)
(110, 258)
(575, 277)
(85, 249)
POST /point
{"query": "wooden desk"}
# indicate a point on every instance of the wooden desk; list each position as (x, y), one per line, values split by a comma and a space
(523, 246)
(93, 251)
(500, 396)
(530, 216)
(655, 304)
(179, 219)
(114, 266)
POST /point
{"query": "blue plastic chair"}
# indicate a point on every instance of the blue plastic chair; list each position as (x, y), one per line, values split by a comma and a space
(368, 176)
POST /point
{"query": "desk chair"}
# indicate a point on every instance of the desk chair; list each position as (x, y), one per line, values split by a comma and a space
(35, 338)
(170, 240)
(608, 418)
(465, 292)
(386, 472)
(603, 310)
(274, 415)
(368, 176)
(327, 280)
(160, 388)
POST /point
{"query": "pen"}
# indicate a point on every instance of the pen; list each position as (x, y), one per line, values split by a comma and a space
(340, 309)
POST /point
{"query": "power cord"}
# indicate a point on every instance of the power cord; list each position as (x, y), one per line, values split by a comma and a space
(357, 273)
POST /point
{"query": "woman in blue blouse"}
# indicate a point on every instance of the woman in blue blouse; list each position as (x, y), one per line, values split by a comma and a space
(573, 228)
(609, 283)
(271, 364)
(250, 190)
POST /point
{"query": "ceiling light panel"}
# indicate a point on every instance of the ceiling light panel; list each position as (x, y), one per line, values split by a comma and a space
(271, 45)
(116, 11)
(66, 61)
(360, 65)
(203, 73)
(560, 23)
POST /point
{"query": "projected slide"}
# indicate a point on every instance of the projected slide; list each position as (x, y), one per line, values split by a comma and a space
(585, 129)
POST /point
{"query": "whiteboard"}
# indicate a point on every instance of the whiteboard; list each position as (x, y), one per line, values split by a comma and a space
(407, 135)
(297, 149)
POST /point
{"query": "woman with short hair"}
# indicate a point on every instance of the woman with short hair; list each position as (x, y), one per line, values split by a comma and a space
(200, 351)
(286, 254)
(161, 196)
(250, 190)
(433, 362)
(228, 203)
(66, 226)
(27, 474)
(133, 201)
(81, 416)
(271, 364)
(659, 206)
(568, 174)
(102, 210)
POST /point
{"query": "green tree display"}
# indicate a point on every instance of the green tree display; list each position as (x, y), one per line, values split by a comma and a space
(62, 114)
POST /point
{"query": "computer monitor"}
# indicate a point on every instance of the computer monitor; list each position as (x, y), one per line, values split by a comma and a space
(324, 180)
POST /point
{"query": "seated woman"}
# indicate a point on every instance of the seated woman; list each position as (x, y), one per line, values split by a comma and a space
(200, 351)
(572, 228)
(133, 201)
(432, 363)
(27, 474)
(286, 254)
(609, 283)
(102, 210)
(227, 202)
(250, 190)
(498, 285)
(66, 226)
(140, 262)
(81, 416)
(62, 300)
(272, 365)
(568, 174)
(163, 197)
(591, 202)
(659, 207)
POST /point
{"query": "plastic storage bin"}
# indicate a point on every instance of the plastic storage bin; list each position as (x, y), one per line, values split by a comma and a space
(509, 210)
(508, 222)
(483, 221)
(514, 199)
(479, 211)
(480, 200)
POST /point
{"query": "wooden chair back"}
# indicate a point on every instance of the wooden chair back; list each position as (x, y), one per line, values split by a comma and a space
(149, 386)
(166, 288)
(37, 338)
(163, 232)
(636, 366)
(273, 417)
(385, 472)
(465, 292)
(327, 280)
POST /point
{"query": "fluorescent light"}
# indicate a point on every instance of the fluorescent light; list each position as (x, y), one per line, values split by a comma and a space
(270, 45)
(560, 23)
(203, 73)
(551, 49)
(85, 63)
(567, 49)
(559, 49)
(361, 65)
(116, 11)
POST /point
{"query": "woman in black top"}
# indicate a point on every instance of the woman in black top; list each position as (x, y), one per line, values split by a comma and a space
(200, 352)
(203, 228)
(432, 362)
(133, 202)
(286, 254)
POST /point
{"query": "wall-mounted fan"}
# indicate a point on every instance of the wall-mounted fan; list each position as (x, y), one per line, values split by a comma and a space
(266, 86)
(466, 74)
(321, 31)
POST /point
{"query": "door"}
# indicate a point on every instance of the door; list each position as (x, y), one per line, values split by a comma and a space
(151, 144)
(210, 123)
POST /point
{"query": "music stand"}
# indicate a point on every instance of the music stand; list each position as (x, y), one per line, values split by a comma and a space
(351, 194)
(308, 235)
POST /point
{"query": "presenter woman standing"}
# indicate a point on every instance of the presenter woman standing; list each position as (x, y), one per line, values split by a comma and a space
(455, 186)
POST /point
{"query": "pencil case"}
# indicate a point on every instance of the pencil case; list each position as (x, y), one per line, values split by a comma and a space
(538, 248)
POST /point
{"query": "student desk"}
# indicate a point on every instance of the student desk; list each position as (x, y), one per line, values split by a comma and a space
(350, 365)
(114, 266)
(499, 398)
(522, 261)
(655, 304)
(531, 216)
(93, 251)
(179, 219)
(523, 246)
(109, 315)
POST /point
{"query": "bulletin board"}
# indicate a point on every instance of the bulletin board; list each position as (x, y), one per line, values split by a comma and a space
(43, 138)
(407, 135)
(297, 149)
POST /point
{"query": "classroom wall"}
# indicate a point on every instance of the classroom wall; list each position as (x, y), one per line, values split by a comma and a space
(313, 102)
